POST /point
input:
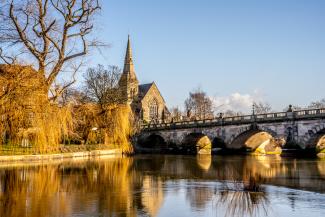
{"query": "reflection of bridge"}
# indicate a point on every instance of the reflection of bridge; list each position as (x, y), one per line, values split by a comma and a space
(272, 170)
(303, 128)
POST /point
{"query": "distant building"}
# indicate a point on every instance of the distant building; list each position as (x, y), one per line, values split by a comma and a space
(145, 99)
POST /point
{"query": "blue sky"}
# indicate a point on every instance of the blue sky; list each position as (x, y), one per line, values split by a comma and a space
(235, 50)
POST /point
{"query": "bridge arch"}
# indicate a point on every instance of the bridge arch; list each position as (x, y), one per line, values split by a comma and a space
(153, 142)
(315, 137)
(251, 138)
(218, 142)
(197, 143)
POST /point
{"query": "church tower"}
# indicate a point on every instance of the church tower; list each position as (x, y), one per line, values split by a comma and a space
(129, 84)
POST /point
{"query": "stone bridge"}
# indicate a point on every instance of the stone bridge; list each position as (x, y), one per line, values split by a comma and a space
(304, 129)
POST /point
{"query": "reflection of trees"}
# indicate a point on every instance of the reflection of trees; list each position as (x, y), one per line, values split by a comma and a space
(11, 189)
(321, 167)
(113, 185)
(199, 196)
(67, 188)
(152, 195)
(246, 198)
(244, 203)
(32, 194)
(243, 193)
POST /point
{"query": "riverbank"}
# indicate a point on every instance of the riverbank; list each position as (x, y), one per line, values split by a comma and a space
(59, 156)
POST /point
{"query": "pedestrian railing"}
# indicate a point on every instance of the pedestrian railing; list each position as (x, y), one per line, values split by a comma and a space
(237, 120)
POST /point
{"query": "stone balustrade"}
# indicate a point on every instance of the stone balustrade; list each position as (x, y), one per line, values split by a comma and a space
(307, 114)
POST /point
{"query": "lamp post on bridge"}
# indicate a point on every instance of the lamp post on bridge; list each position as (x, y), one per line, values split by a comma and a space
(220, 118)
(290, 112)
(254, 125)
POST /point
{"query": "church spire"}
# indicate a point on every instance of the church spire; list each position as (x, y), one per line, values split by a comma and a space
(128, 81)
(128, 54)
(128, 62)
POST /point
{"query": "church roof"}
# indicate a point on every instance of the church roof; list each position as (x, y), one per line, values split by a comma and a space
(144, 88)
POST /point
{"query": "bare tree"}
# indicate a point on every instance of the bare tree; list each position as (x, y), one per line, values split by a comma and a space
(231, 113)
(313, 105)
(176, 114)
(198, 105)
(262, 108)
(317, 104)
(73, 96)
(52, 35)
(101, 85)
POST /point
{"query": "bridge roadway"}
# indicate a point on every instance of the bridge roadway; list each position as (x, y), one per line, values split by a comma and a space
(304, 128)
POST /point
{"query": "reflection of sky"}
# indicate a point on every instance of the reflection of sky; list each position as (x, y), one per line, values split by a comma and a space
(300, 204)
(177, 203)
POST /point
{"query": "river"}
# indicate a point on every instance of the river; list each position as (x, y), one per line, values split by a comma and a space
(159, 185)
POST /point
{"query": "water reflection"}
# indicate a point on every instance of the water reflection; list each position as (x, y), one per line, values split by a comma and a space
(144, 185)
(245, 198)
(244, 203)
(204, 161)
(321, 167)
(152, 195)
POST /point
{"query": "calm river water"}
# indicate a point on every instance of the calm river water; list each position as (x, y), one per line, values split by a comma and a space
(156, 185)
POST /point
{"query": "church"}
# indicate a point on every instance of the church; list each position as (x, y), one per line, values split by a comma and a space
(145, 99)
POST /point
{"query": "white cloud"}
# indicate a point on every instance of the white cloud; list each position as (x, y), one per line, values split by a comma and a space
(237, 102)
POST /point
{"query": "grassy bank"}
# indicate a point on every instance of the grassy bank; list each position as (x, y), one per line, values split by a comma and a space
(9, 150)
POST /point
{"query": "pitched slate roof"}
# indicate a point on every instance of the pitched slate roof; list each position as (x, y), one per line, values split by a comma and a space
(144, 88)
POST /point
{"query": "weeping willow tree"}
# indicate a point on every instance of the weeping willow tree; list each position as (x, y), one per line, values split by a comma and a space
(115, 117)
(119, 129)
(103, 116)
(27, 117)
(53, 37)
(112, 127)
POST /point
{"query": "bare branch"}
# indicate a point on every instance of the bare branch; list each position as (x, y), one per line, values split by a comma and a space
(54, 32)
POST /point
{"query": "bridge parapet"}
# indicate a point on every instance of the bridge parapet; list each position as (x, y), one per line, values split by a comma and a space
(307, 114)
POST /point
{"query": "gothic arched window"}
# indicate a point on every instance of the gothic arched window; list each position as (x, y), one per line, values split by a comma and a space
(153, 110)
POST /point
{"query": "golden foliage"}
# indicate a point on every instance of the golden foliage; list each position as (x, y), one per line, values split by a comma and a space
(119, 130)
(111, 125)
(28, 118)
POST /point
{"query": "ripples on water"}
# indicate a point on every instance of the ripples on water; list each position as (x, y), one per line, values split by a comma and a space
(165, 186)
